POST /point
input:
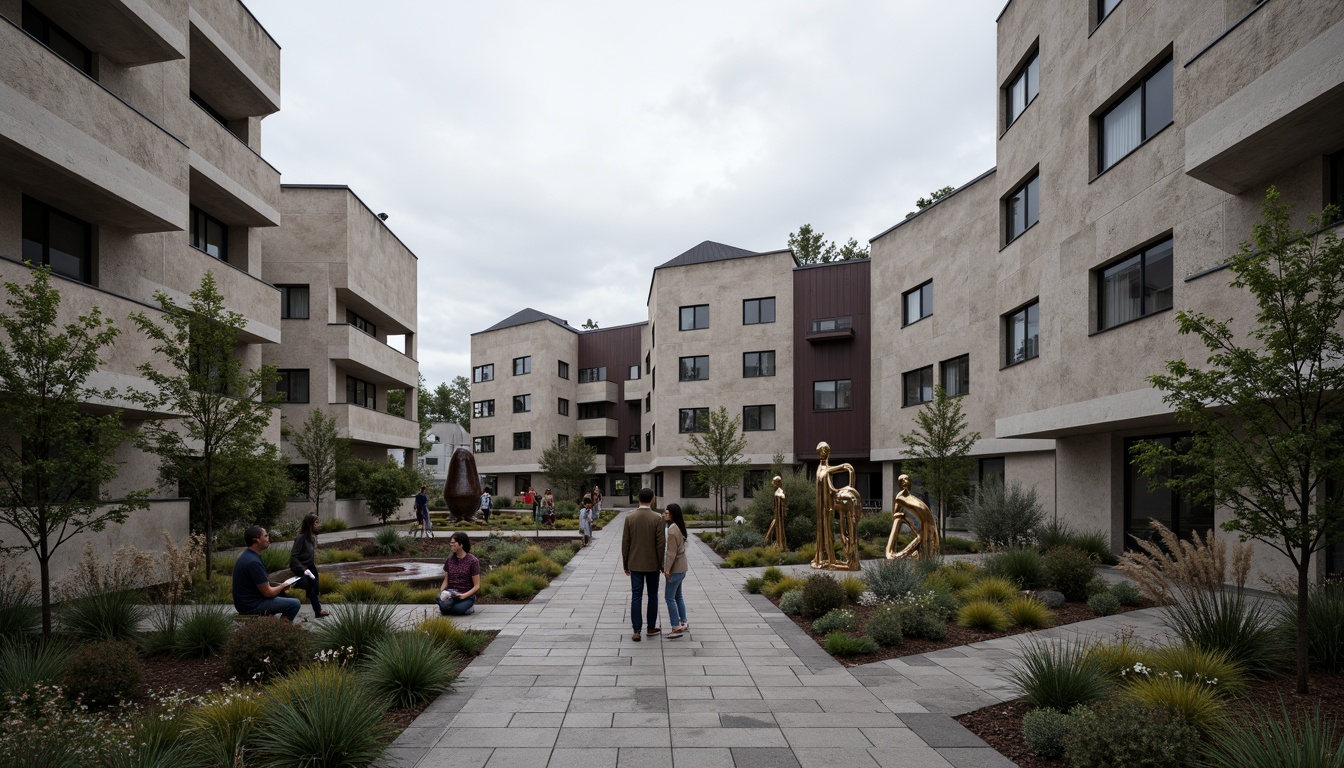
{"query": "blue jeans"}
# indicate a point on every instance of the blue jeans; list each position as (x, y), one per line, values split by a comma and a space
(457, 606)
(638, 580)
(287, 606)
(676, 606)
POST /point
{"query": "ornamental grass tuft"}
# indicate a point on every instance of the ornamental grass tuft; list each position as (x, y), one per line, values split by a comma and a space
(409, 669)
(25, 665)
(775, 589)
(841, 644)
(1057, 673)
(320, 717)
(1192, 701)
(356, 625)
(204, 633)
(219, 731)
(1226, 620)
(1029, 612)
(992, 589)
(984, 615)
(1300, 739)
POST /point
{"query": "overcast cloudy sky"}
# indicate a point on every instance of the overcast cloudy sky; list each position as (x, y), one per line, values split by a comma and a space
(551, 154)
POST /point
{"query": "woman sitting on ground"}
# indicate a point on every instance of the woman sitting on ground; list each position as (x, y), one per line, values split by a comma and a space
(461, 578)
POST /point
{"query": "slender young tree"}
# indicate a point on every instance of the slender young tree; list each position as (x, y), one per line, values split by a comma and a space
(55, 455)
(319, 443)
(221, 407)
(570, 467)
(716, 455)
(1266, 408)
(939, 448)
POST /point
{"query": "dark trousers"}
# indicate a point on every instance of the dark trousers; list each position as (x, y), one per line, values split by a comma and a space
(310, 588)
(638, 581)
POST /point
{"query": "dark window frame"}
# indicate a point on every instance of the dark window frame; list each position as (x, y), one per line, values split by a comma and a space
(592, 411)
(483, 409)
(760, 367)
(522, 403)
(1146, 132)
(483, 444)
(562, 406)
(695, 317)
(42, 28)
(1102, 13)
(288, 296)
(561, 441)
(951, 366)
(828, 324)
(760, 411)
(1030, 191)
(698, 423)
(698, 373)
(919, 389)
(924, 292)
(42, 245)
(592, 375)
(483, 373)
(1142, 254)
(562, 369)
(288, 381)
(199, 233)
(632, 444)
(759, 306)
(522, 441)
(689, 481)
(835, 395)
(632, 373)
(360, 323)
(525, 363)
(1030, 345)
(361, 393)
(1183, 515)
(1028, 73)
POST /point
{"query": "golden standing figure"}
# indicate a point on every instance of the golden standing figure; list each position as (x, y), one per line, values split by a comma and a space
(924, 542)
(775, 536)
(830, 501)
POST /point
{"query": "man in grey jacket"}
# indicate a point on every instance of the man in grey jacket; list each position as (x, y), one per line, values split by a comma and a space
(642, 545)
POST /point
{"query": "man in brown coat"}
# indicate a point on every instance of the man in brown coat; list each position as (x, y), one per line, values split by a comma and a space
(642, 545)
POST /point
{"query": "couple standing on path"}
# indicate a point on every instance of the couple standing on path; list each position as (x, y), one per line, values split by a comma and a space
(650, 546)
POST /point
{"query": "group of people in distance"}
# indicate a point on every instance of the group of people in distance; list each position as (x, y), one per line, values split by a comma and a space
(651, 546)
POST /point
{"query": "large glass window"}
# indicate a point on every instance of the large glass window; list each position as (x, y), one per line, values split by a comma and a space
(522, 403)
(632, 444)
(1022, 332)
(991, 469)
(1022, 208)
(360, 392)
(1137, 117)
(758, 364)
(562, 369)
(61, 43)
(833, 395)
(1337, 183)
(694, 368)
(695, 317)
(758, 418)
(361, 323)
(632, 373)
(483, 444)
(293, 302)
(292, 385)
(752, 482)
(917, 303)
(691, 487)
(957, 376)
(589, 375)
(561, 441)
(483, 373)
(520, 485)
(482, 409)
(693, 420)
(1135, 287)
(756, 311)
(827, 324)
(209, 234)
(562, 406)
(522, 365)
(1146, 500)
(592, 410)
(1022, 89)
(522, 441)
(917, 386)
(57, 239)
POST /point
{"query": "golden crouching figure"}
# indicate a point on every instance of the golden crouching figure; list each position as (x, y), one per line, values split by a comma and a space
(924, 541)
(832, 502)
(775, 536)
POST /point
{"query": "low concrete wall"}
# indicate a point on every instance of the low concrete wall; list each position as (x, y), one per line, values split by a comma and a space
(355, 512)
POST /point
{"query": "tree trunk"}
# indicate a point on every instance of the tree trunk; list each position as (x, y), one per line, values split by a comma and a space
(209, 540)
(44, 574)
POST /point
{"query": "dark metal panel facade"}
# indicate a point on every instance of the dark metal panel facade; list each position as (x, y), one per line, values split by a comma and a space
(824, 293)
(617, 349)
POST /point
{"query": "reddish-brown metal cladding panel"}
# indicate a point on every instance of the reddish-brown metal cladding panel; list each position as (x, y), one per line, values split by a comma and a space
(832, 291)
(617, 349)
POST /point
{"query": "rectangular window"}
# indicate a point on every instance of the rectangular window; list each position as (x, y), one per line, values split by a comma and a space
(1023, 87)
(647, 362)
(1137, 117)
(648, 402)
(57, 239)
(991, 469)
(1147, 501)
(483, 373)
(483, 409)
(632, 444)
(694, 368)
(917, 386)
(753, 482)
(483, 444)
(832, 324)
(1135, 287)
(431, 461)
(361, 393)
(1104, 8)
(693, 420)
(592, 410)
(695, 318)
(209, 234)
(957, 376)
(522, 403)
(831, 395)
(755, 311)
(691, 488)
(1022, 332)
(293, 385)
(917, 303)
(60, 42)
(589, 375)
(561, 441)
(1337, 183)
(563, 369)
(758, 418)
(360, 323)
(758, 364)
(520, 484)
(1022, 209)
(522, 441)
(648, 441)
(632, 374)
(522, 365)
(293, 302)
(562, 406)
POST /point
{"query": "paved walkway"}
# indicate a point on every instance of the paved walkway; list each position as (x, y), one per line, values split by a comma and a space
(564, 685)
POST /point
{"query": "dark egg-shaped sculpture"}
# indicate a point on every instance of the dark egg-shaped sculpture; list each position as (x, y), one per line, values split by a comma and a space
(462, 490)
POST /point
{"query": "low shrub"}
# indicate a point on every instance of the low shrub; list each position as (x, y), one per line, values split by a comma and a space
(1053, 534)
(1097, 545)
(791, 602)
(1044, 731)
(1193, 701)
(957, 545)
(775, 590)
(1124, 733)
(325, 556)
(1325, 626)
(772, 575)
(563, 554)
(854, 588)
(204, 632)
(754, 584)
(1103, 604)
(1127, 592)
(359, 590)
(512, 582)
(983, 615)
(1028, 612)
(873, 526)
(409, 669)
(923, 623)
(25, 665)
(841, 644)
(219, 730)
(534, 560)
(103, 672)
(1189, 662)
(739, 537)
(956, 576)
(838, 620)
(1058, 674)
(821, 594)
(1023, 566)
(267, 646)
(358, 625)
(465, 643)
(1225, 620)
(991, 588)
(103, 615)
(1116, 659)
(388, 541)
(892, 579)
(496, 552)
(321, 715)
(1068, 570)
(332, 526)
(1278, 739)
(1002, 515)
(884, 626)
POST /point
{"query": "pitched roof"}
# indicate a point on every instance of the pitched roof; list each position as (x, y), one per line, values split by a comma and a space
(525, 316)
(706, 252)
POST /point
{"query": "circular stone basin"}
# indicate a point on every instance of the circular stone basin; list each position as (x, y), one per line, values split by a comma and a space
(383, 571)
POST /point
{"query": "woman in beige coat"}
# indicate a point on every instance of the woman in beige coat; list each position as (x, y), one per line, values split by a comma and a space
(674, 568)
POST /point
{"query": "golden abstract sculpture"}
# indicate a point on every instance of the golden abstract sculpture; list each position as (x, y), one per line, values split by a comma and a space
(775, 536)
(924, 541)
(832, 501)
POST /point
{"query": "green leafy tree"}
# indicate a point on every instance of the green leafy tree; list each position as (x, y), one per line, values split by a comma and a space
(254, 488)
(800, 493)
(396, 405)
(934, 196)
(319, 444)
(716, 455)
(570, 467)
(1265, 407)
(450, 402)
(939, 449)
(384, 488)
(590, 324)
(57, 455)
(222, 408)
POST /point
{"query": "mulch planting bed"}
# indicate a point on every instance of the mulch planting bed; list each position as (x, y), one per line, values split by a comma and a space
(437, 547)
(1000, 725)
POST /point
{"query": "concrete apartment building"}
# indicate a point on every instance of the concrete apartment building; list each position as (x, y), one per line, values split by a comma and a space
(1136, 142)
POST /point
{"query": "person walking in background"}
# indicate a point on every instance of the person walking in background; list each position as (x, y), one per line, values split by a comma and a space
(597, 500)
(675, 568)
(534, 499)
(485, 504)
(643, 543)
(303, 563)
(422, 514)
(586, 519)
(528, 499)
(548, 508)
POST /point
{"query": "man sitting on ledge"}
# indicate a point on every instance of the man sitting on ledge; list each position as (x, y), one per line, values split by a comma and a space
(252, 590)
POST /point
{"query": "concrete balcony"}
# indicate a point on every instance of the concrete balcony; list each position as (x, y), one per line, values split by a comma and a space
(364, 425)
(591, 428)
(235, 64)
(598, 392)
(73, 144)
(228, 179)
(637, 389)
(253, 298)
(129, 33)
(365, 357)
